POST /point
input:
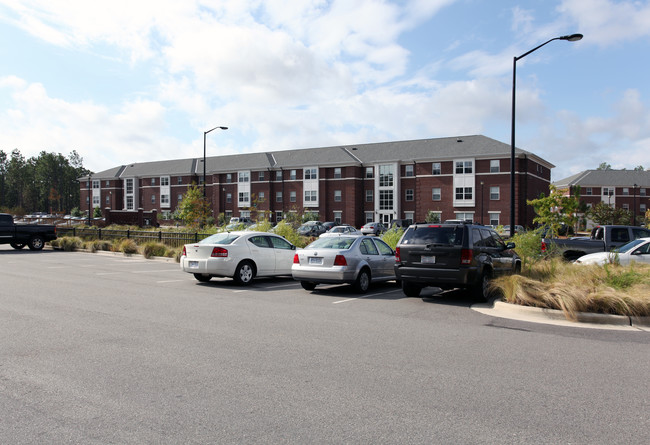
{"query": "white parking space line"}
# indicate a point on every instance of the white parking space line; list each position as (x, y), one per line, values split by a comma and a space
(363, 296)
(108, 273)
(169, 281)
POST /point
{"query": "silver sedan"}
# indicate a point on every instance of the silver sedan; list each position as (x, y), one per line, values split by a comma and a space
(356, 260)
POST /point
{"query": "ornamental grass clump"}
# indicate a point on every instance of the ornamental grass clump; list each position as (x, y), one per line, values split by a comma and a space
(127, 246)
(152, 249)
(573, 288)
(67, 243)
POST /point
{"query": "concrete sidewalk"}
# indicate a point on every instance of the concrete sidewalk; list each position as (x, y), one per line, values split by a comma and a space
(556, 317)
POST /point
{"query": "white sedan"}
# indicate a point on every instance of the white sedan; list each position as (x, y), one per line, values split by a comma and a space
(240, 255)
(341, 230)
(637, 250)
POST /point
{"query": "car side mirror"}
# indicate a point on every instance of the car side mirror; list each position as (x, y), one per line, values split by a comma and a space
(293, 247)
(510, 246)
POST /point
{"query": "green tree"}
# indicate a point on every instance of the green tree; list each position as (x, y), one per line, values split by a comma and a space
(556, 209)
(604, 166)
(432, 217)
(194, 209)
(639, 168)
(603, 213)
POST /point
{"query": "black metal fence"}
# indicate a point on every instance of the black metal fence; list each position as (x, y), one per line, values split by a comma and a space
(172, 239)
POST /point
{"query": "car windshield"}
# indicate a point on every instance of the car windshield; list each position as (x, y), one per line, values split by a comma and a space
(625, 248)
(434, 235)
(220, 238)
(341, 243)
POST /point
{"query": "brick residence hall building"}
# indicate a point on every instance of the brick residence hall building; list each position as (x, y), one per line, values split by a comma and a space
(457, 177)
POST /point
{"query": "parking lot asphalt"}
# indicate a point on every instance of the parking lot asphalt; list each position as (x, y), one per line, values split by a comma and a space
(104, 348)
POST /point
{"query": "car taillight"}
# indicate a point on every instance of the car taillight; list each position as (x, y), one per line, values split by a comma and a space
(340, 261)
(296, 260)
(184, 251)
(398, 259)
(466, 256)
(219, 252)
(543, 247)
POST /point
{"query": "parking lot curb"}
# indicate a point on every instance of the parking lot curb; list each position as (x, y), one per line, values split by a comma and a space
(557, 317)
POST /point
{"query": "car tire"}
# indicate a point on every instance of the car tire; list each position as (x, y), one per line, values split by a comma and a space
(362, 283)
(481, 291)
(308, 285)
(202, 278)
(36, 243)
(17, 246)
(411, 290)
(244, 273)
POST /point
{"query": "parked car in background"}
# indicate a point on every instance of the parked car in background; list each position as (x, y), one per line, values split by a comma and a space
(311, 228)
(403, 223)
(373, 228)
(506, 230)
(453, 256)
(637, 250)
(329, 225)
(356, 260)
(602, 239)
(31, 235)
(241, 255)
(341, 230)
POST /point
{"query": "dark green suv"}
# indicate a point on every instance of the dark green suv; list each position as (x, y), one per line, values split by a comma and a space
(457, 255)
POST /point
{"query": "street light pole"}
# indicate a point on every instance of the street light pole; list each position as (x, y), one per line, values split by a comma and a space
(204, 138)
(570, 38)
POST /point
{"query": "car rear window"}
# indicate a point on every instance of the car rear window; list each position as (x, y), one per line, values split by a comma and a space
(342, 243)
(220, 238)
(446, 235)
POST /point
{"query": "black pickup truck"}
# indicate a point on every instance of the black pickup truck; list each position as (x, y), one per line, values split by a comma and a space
(602, 239)
(18, 236)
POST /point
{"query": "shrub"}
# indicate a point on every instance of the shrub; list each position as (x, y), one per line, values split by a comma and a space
(152, 249)
(127, 246)
(392, 236)
(290, 234)
(98, 245)
(67, 243)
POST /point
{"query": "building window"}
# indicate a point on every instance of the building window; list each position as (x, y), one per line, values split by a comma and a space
(228, 197)
(626, 191)
(108, 200)
(338, 217)
(409, 195)
(311, 173)
(164, 199)
(408, 170)
(153, 199)
(463, 193)
(164, 181)
(129, 186)
(642, 208)
(278, 175)
(261, 197)
(243, 177)
(588, 191)
(337, 196)
(435, 169)
(95, 183)
(228, 178)
(243, 197)
(626, 207)
(278, 216)
(494, 193)
(153, 181)
(385, 176)
(87, 199)
(465, 216)
(292, 196)
(464, 167)
(370, 172)
(495, 166)
(260, 176)
(129, 203)
(179, 198)
(95, 201)
(607, 191)
(108, 183)
(369, 195)
(180, 180)
(337, 173)
(436, 194)
(642, 192)
(278, 196)
(311, 196)
(385, 199)
(292, 175)
(494, 218)
(369, 216)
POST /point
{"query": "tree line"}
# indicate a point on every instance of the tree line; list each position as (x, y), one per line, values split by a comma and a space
(46, 183)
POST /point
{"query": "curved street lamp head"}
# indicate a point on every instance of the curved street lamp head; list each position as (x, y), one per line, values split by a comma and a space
(572, 37)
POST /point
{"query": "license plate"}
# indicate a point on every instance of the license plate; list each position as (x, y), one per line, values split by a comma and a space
(428, 260)
(315, 260)
(194, 264)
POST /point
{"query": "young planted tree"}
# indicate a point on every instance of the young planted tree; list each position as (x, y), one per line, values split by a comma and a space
(194, 209)
(556, 209)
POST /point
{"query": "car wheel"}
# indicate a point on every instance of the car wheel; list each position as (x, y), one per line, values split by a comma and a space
(17, 246)
(244, 273)
(36, 243)
(362, 283)
(411, 290)
(482, 289)
(308, 285)
(202, 278)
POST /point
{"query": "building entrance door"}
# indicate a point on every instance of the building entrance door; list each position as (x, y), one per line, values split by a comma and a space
(385, 218)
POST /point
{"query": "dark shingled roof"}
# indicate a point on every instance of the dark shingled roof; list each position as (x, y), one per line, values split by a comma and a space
(597, 178)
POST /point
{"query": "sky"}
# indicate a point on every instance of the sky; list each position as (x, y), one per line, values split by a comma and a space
(141, 80)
